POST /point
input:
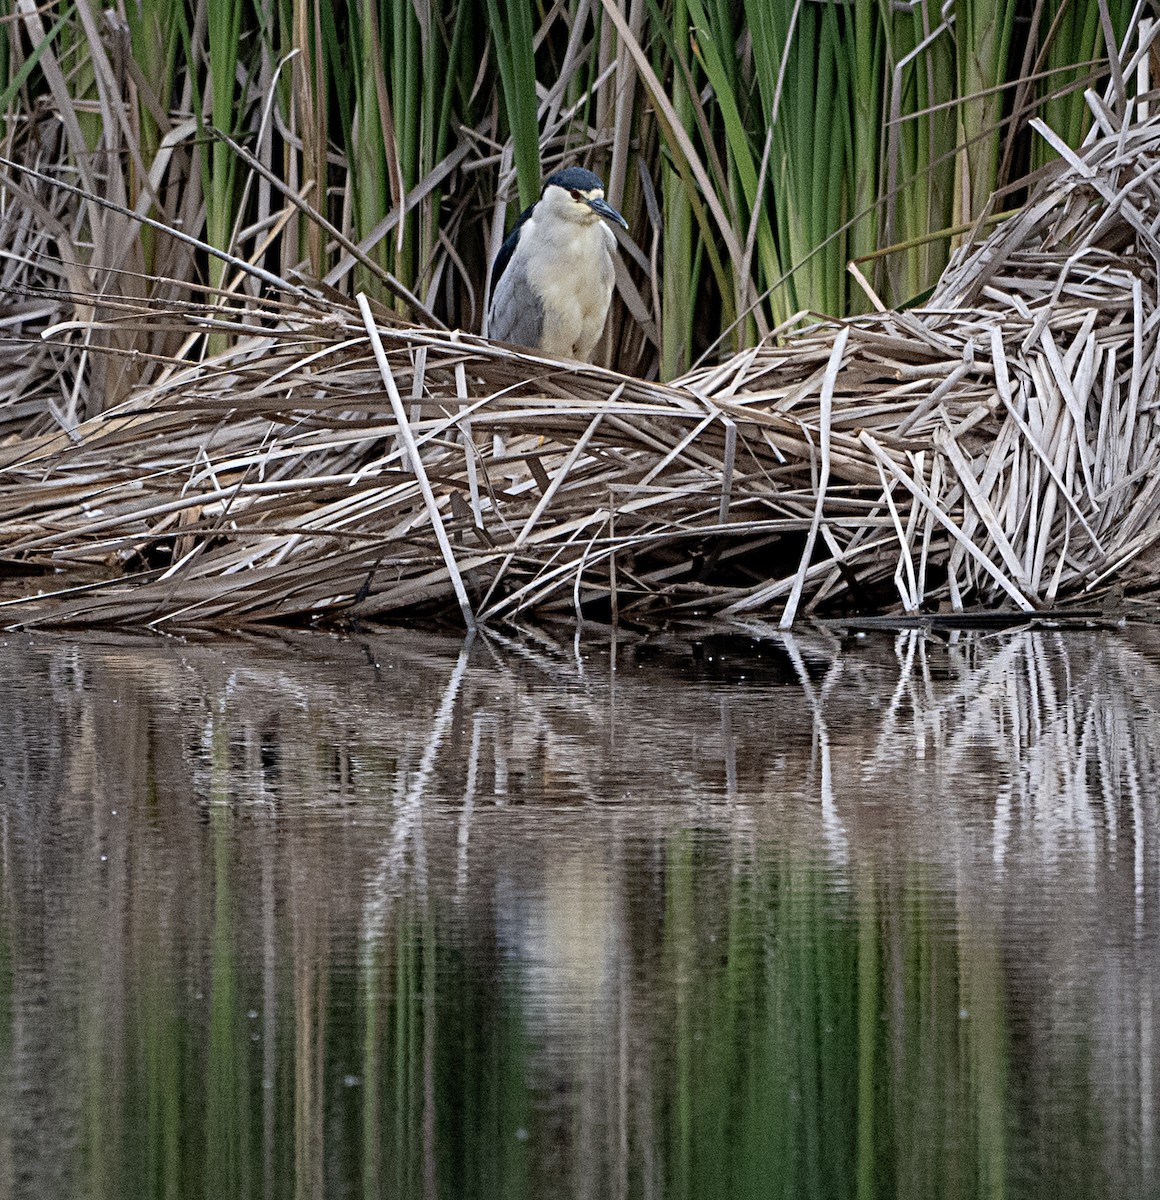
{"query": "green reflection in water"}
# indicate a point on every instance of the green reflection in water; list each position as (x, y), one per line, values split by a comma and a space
(229, 1072)
(771, 1069)
(798, 1040)
(242, 1002)
(441, 1106)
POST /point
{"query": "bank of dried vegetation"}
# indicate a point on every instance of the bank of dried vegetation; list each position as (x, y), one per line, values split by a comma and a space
(996, 447)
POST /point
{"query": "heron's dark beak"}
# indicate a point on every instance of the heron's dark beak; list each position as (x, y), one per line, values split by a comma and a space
(608, 212)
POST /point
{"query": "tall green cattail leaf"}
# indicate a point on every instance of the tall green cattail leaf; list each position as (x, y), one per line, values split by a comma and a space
(715, 43)
(318, 66)
(512, 35)
(13, 85)
(921, 146)
(158, 32)
(373, 153)
(983, 30)
(678, 266)
(865, 51)
(223, 29)
(1071, 39)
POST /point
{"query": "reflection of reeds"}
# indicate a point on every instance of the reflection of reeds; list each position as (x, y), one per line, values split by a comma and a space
(1060, 725)
(776, 1004)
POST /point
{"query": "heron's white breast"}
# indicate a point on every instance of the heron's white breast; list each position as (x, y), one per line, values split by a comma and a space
(574, 274)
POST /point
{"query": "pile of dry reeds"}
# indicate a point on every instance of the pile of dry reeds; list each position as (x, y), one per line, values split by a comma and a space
(997, 448)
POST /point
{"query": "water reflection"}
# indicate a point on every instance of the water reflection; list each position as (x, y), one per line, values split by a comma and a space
(701, 917)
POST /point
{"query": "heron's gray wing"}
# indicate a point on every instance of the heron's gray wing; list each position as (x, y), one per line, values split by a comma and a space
(517, 313)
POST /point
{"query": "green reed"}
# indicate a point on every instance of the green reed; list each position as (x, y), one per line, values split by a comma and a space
(680, 278)
(224, 28)
(758, 147)
(920, 148)
(1069, 47)
(512, 32)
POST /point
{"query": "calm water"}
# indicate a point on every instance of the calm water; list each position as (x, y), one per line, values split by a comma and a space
(391, 916)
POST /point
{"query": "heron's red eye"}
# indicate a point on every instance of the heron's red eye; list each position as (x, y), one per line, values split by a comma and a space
(575, 193)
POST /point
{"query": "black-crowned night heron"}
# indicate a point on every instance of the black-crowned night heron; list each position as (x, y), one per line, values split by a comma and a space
(552, 280)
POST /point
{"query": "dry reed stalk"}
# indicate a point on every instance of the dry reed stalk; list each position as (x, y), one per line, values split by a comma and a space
(997, 448)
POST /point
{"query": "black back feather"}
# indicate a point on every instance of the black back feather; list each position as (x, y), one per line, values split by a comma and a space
(509, 247)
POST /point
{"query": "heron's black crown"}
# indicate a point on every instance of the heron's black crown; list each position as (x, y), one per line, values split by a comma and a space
(575, 177)
(567, 178)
